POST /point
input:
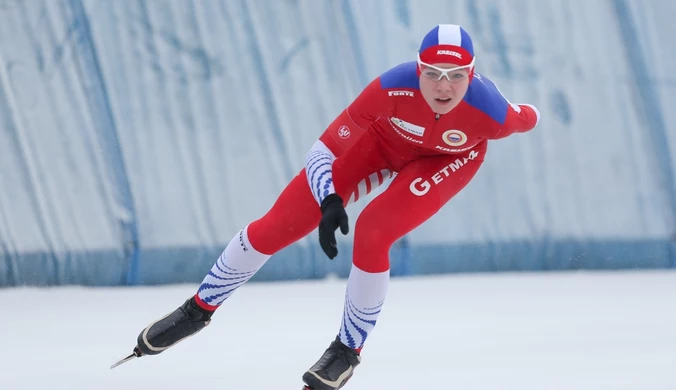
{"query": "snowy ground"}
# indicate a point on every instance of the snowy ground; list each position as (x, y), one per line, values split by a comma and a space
(596, 331)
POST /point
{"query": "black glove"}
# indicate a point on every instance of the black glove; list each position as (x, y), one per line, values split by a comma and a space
(333, 216)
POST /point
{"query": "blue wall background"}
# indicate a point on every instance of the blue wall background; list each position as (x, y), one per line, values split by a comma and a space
(137, 137)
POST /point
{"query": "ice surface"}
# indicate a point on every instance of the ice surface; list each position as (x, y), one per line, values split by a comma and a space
(578, 330)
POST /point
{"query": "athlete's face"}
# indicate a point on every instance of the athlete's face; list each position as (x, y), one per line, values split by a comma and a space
(443, 85)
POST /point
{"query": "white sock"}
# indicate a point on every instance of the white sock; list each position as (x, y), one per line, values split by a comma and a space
(364, 298)
(236, 265)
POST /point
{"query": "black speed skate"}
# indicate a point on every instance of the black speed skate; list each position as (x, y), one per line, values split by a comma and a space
(164, 333)
(333, 369)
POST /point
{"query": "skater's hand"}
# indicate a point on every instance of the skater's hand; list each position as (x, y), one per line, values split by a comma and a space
(333, 216)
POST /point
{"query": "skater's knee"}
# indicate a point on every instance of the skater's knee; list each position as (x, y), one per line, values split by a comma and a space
(294, 214)
(372, 227)
(372, 244)
(270, 234)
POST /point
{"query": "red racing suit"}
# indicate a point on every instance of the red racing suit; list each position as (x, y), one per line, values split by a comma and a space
(389, 130)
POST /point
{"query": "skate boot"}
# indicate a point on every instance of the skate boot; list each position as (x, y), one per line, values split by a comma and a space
(172, 328)
(333, 369)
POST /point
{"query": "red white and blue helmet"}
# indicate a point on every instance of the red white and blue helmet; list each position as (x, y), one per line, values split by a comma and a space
(447, 43)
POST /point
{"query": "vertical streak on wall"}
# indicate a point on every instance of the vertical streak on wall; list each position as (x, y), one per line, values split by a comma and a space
(355, 42)
(649, 104)
(17, 132)
(100, 105)
(266, 87)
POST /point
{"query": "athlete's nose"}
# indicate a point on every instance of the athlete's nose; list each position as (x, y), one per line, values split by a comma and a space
(444, 85)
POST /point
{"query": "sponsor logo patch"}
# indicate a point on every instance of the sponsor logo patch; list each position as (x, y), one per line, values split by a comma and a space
(420, 186)
(400, 93)
(408, 127)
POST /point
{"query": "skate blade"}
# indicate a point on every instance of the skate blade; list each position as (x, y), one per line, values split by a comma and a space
(133, 355)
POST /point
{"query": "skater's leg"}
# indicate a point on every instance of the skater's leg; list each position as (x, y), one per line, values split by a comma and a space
(296, 213)
(416, 194)
(293, 216)
(364, 297)
(381, 224)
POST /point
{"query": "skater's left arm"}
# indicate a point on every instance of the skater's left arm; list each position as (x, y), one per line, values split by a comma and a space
(520, 119)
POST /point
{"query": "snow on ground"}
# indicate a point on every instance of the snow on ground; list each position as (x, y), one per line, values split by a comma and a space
(573, 330)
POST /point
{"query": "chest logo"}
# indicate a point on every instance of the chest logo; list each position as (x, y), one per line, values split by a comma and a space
(408, 127)
(454, 137)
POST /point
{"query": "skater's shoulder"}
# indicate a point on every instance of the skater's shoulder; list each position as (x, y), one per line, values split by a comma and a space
(484, 95)
(401, 76)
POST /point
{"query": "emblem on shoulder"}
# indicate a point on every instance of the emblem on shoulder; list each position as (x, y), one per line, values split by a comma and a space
(344, 132)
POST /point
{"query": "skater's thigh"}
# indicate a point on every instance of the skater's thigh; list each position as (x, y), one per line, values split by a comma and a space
(294, 214)
(416, 194)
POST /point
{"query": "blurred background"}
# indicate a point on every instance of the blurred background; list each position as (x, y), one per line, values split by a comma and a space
(137, 137)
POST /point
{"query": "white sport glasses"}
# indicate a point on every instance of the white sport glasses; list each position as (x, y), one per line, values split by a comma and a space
(434, 73)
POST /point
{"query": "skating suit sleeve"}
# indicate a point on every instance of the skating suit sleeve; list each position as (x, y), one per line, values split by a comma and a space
(501, 116)
(520, 119)
(342, 133)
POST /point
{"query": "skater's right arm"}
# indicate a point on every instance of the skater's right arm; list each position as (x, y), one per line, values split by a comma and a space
(342, 133)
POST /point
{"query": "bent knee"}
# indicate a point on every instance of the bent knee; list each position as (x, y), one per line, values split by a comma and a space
(372, 243)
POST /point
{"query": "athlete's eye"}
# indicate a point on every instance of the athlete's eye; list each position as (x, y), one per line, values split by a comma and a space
(432, 74)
